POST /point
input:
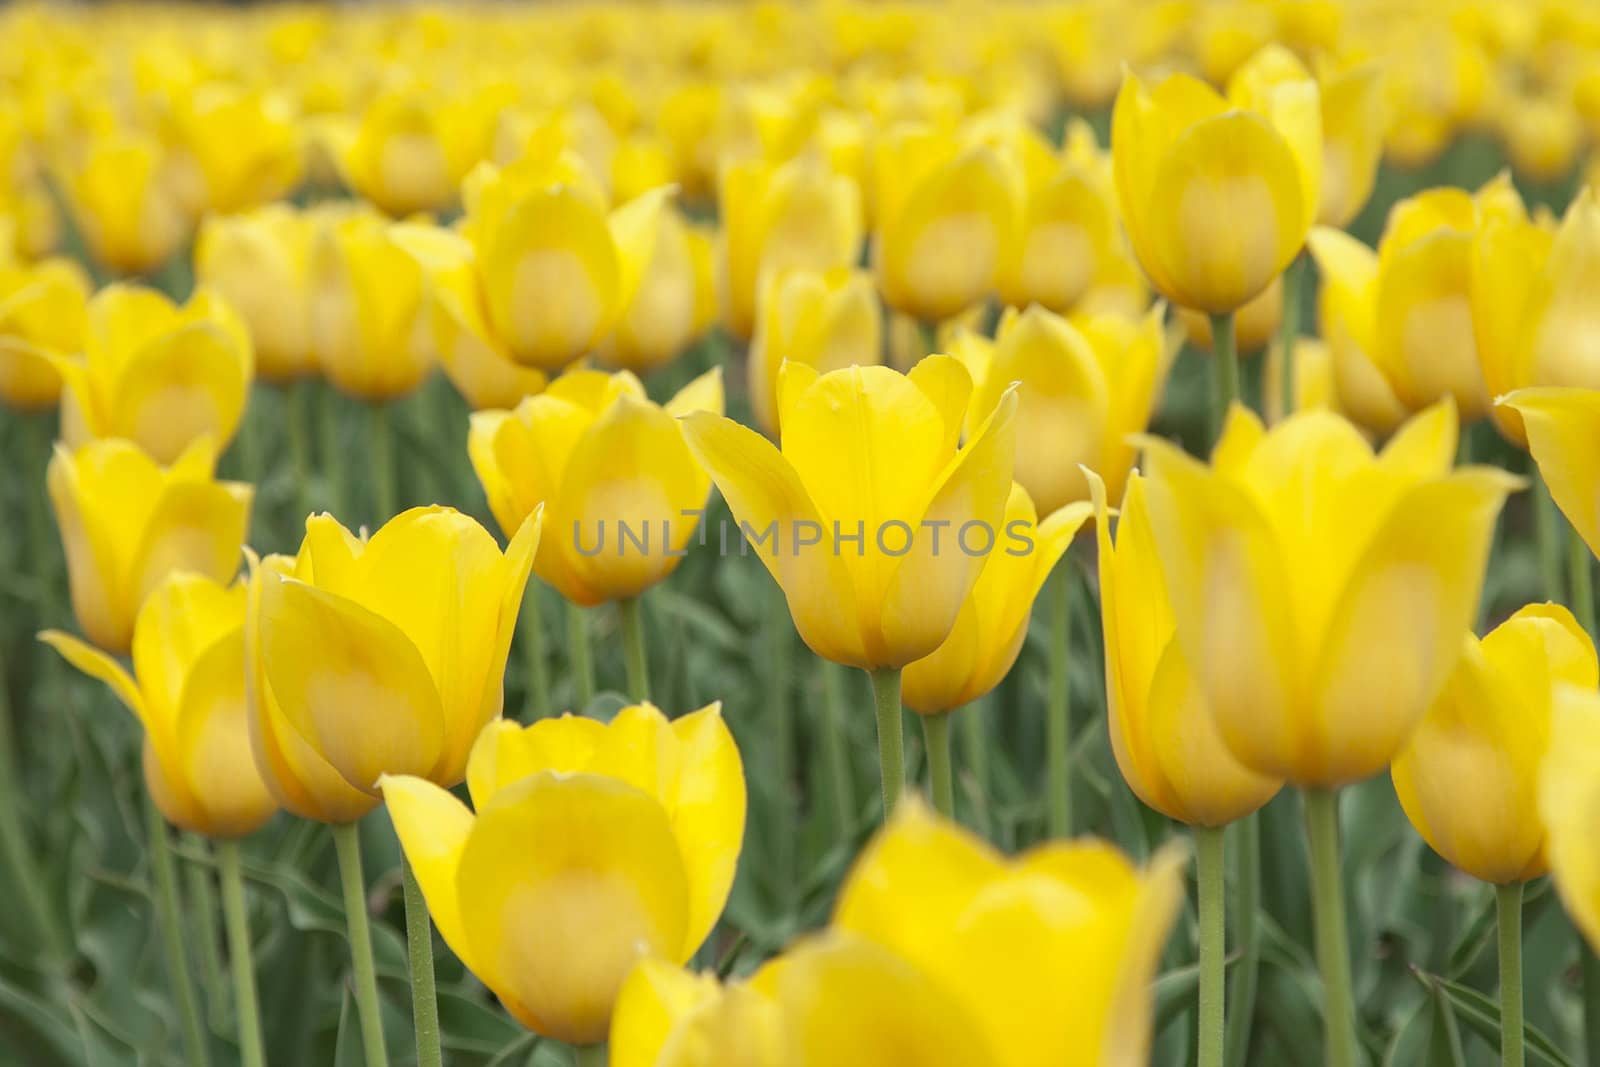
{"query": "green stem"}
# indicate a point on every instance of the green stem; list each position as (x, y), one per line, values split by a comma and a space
(1333, 943)
(891, 744)
(1210, 858)
(1225, 365)
(928, 332)
(333, 467)
(1508, 900)
(1589, 966)
(246, 1007)
(633, 648)
(419, 952)
(296, 398)
(1247, 894)
(1547, 534)
(589, 1055)
(936, 734)
(836, 750)
(579, 658)
(778, 634)
(537, 705)
(1580, 574)
(1058, 712)
(15, 852)
(1289, 329)
(382, 472)
(164, 877)
(975, 755)
(347, 843)
(203, 913)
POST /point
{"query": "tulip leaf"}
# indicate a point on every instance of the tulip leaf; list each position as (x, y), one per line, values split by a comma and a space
(1175, 992)
(1444, 1036)
(1481, 1015)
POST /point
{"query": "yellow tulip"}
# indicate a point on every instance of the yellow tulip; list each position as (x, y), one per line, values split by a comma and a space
(1163, 736)
(1315, 388)
(947, 220)
(1542, 134)
(386, 656)
(1083, 385)
(1533, 308)
(1346, 306)
(1569, 792)
(1218, 199)
(621, 491)
(987, 637)
(828, 320)
(159, 375)
(369, 315)
(1052, 952)
(871, 519)
(1353, 126)
(1320, 591)
(781, 217)
(42, 310)
(125, 202)
(591, 845)
(126, 523)
(1563, 428)
(187, 689)
(245, 146)
(410, 152)
(260, 262)
(661, 312)
(1255, 325)
(1490, 726)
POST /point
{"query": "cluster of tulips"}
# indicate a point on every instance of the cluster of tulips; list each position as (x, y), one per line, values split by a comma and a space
(946, 258)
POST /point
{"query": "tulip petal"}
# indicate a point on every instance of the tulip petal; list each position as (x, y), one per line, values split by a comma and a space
(946, 382)
(213, 756)
(506, 752)
(197, 526)
(96, 664)
(1563, 428)
(182, 385)
(704, 393)
(655, 999)
(1569, 803)
(707, 806)
(433, 828)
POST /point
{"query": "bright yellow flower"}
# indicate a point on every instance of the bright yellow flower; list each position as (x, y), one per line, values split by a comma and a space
(828, 320)
(1490, 726)
(1542, 133)
(125, 202)
(987, 637)
(260, 262)
(871, 519)
(591, 846)
(411, 151)
(126, 523)
(1083, 385)
(244, 145)
(1563, 428)
(661, 308)
(1569, 797)
(1533, 306)
(1255, 325)
(781, 217)
(42, 310)
(386, 656)
(1346, 306)
(187, 688)
(1353, 126)
(1320, 591)
(1218, 195)
(1165, 740)
(620, 489)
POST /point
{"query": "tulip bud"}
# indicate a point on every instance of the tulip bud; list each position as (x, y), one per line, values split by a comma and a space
(410, 153)
(125, 203)
(260, 263)
(1353, 121)
(660, 301)
(42, 310)
(245, 146)
(1346, 305)
(828, 320)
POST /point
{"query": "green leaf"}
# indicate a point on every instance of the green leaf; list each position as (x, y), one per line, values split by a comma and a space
(1481, 1015)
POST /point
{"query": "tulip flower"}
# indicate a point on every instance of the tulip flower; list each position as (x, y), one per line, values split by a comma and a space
(1218, 199)
(187, 689)
(590, 846)
(662, 311)
(781, 217)
(42, 310)
(1255, 324)
(260, 263)
(1314, 385)
(1346, 309)
(1542, 133)
(1353, 122)
(410, 152)
(828, 320)
(620, 488)
(1569, 789)
(157, 374)
(126, 523)
(1563, 429)
(1533, 310)
(244, 146)
(126, 204)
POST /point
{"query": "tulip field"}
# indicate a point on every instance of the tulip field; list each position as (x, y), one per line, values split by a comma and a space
(779, 534)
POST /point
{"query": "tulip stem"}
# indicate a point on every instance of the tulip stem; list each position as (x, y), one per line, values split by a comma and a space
(1247, 894)
(1210, 859)
(382, 472)
(891, 744)
(578, 655)
(1589, 969)
(203, 913)
(332, 449)
(1058, 713)
(589, 1055)
(347, 843)
(537, 705)
(1225, 357)
(1580, 575)
(1547, 533)
(1289, 329)
(296, 398)
(1333, 942)
(419, 953)
(240, 962)
(936, 734)
(633, 648)
(164, 880)
(836, 750)
(16, 854)
(1508, 899)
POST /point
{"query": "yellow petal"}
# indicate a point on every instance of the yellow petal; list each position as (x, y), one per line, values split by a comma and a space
(1424, 341)
(197, 526)
(506, 753)
(213, 753)
(1569, 802)
(655, 998)
(96, 664)
(1563, 428)
(706, 803)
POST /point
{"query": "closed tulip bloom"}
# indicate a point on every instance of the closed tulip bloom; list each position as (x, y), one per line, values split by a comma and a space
(1533, 308)
(159, 375)
(126, 523)
(380, 656)
(1163, 736)
(1218, 195)
(42, 310)
(244, 145)
(660, 311)
(125, 202)
(893, 593)
(1084, 385)
(987, 637)
(590, 846)
(620, 489)
(1490, 726)
(1255, 325)
(828, 320)
(260, 263)
(1569, 793)
(1542, 133)
(1354, 118)
(1563, 428)
(1320, 591)
(187, 689)
(1346, 310)
(781, 217)
(410, 153)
